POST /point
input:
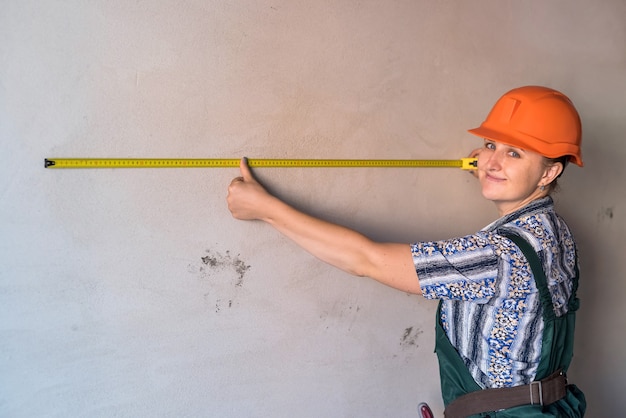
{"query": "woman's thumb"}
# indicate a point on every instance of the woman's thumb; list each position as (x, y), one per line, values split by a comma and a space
(245, 169)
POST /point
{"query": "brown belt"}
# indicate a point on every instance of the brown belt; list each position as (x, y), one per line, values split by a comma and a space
(543, 392)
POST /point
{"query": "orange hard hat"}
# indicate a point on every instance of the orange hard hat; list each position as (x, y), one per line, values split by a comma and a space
(538, 119)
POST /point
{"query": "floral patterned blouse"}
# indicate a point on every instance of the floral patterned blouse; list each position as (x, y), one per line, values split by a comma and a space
(491, 310)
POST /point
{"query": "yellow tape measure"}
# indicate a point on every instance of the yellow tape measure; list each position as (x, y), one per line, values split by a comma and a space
(464, 163)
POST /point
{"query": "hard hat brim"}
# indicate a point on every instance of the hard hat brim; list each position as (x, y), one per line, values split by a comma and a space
(557, 150)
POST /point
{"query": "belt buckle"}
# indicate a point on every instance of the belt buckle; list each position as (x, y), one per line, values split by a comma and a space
(532, 400)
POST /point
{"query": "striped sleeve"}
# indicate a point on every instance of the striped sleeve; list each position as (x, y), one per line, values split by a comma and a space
(463, 268)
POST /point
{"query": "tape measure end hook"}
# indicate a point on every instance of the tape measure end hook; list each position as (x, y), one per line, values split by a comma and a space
(469, 163)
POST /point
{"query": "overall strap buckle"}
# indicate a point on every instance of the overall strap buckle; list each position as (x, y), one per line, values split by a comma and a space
(538, 389)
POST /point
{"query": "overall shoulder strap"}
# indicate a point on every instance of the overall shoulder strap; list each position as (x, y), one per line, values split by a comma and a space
(540, 276)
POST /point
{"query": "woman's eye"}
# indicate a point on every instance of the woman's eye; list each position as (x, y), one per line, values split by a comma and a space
(490, 145)
(514, 154)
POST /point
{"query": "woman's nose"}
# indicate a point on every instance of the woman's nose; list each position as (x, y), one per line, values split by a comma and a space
(492, 161)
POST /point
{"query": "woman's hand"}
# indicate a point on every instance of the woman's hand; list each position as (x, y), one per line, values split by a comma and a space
(247, 198)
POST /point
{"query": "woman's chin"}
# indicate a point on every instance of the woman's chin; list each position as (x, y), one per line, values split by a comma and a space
(489, 194)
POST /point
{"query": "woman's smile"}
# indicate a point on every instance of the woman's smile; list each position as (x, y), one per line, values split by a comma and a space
(493, 178)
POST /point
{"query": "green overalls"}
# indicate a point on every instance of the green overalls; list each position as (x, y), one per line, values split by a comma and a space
(556, 353)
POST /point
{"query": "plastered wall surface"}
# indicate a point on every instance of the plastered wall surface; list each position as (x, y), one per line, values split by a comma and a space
(134, 293)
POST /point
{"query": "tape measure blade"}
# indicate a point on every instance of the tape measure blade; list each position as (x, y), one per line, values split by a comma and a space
(465, 163)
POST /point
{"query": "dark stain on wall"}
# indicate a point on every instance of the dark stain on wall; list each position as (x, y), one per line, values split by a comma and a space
(219, 304)
(410, 337)
(225, 274)
(216, 260)
(605, 214)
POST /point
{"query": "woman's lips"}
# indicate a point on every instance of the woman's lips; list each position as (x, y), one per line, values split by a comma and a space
(494, 179)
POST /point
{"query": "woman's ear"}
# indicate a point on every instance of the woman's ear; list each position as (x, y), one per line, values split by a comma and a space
(551, 172)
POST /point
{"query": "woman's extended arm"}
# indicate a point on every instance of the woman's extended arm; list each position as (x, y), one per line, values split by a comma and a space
(388, 263)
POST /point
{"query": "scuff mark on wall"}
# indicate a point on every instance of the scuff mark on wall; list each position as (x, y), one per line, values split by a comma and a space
(224, 274)
(343, 312)
(215, 260)
(410, 337)
(605, 214)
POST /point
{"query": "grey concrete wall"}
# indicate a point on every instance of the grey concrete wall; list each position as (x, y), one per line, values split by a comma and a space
(134, 293)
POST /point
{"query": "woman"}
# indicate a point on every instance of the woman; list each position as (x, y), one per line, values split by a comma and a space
(507, 293)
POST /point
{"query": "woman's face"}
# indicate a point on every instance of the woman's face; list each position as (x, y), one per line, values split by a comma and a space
(511, 177)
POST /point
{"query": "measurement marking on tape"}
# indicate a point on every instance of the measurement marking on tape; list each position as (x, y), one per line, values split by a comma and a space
(463, 163)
